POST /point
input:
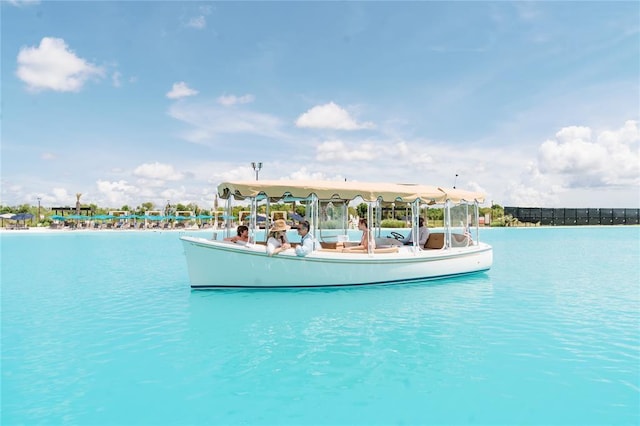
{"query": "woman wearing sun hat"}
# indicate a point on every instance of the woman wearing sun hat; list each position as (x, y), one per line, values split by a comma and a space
(277, 241)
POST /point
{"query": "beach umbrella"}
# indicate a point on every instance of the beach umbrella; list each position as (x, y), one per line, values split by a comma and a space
(295, 216)
(78, 217)
(225, 217)
(22, 216)
(204, 216)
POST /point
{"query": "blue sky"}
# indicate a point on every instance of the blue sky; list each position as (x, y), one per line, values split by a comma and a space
(534, 103)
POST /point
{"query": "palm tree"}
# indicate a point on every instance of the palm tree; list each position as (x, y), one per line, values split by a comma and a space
(78, 195)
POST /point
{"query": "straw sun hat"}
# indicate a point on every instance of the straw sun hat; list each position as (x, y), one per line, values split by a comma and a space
(280, 225)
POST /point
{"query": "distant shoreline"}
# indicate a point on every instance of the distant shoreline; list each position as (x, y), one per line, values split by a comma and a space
(47, 230)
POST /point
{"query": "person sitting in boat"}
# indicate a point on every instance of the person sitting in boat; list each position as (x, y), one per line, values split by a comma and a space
(277, 241)
(366, 239)
(242, 237)
(423, 235)
(308, 243)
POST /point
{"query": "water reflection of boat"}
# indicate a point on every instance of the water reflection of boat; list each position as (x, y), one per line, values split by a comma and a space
(454, 251)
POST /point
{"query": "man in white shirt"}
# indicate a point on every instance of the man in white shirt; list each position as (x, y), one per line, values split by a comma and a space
(423, 235)
(308, 243)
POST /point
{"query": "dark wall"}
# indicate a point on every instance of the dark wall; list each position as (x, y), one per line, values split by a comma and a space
(558, 217)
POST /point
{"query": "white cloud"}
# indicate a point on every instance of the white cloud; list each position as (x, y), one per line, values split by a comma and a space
(228, 100)
(338, 151)
(612, 159)
(158, 171)
(304, 174)
(330, 116)
(116, 193)
(181, 90)
(399, 152)
(53, 66)
(48, 156)
(60, 195)
(20, 3)
(576, 169)
(527, 196)
(208, 121)
(198, 22)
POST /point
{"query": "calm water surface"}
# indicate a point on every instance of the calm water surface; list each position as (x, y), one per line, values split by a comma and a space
(102, 328)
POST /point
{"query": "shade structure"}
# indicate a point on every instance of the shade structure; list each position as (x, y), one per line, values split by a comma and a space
(326, 190)
(21, 216)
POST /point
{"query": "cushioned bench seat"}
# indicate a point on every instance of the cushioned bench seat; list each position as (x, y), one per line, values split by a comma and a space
(435, 241)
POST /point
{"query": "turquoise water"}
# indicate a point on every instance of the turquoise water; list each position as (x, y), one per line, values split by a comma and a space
(102, 328)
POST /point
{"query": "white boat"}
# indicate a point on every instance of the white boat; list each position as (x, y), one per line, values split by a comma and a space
(453, 250)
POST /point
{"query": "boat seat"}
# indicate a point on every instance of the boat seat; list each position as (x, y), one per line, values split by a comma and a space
(435, 241)
(328, 246)
(460, 240)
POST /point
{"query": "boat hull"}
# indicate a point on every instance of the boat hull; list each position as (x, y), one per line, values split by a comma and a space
(215, 264)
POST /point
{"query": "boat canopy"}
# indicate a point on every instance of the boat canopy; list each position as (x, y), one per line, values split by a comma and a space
(326, 190)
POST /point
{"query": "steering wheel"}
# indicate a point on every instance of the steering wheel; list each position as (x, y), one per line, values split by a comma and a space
(397, 236)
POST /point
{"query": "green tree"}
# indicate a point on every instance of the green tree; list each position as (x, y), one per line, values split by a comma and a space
(146, 206)
(435, 214)
(281, 207)
(497, 211)
(362, 210)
